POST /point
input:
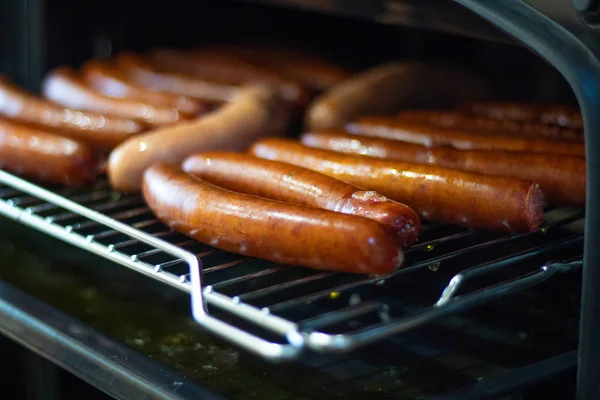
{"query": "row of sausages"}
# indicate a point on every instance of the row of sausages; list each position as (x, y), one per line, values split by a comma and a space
(356, 180)
(393, 170)
(65, 135)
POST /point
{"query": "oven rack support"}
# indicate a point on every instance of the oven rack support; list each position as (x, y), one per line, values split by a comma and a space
(65, 219)
(200, 313)
(573, 51)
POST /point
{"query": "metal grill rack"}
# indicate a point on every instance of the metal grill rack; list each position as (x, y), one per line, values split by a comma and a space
(278, 311)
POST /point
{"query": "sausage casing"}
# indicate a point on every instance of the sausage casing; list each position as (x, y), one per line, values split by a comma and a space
(304, 67)
(143, 73)
(393, 129)
(44, 156)
(390, 87)
(289, 183)
(110, 81)
(561, 178)
(96, 129)
(64, 87)
(566, 116)
(222, 67)
(268, 229)
(488, 126)
(256, 112)
(438, 194)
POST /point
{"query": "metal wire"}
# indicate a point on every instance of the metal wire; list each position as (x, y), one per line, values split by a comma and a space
(295, 302)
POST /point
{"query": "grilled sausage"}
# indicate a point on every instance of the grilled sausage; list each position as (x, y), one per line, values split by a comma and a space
(64, 87)
(96, 129)
(258, 111)
(279, 181)
(487, 126)
(561, 178)
(44, 156)
(140, 71)
(307, 69)
(565, 116)
(388, 88)
(390, 128)
(110, 81)
(268, 229)
(226, 68)
(437, 194)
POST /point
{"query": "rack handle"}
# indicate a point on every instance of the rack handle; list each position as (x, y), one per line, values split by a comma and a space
(518, 283)
(268, 350)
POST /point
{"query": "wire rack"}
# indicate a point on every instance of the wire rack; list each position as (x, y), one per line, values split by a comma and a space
(278, 311)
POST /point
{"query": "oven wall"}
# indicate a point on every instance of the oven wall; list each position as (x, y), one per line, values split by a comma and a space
(72, 31)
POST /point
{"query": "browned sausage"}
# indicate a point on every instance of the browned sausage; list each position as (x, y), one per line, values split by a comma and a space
(487, 126)
(44, 156)
(257, 112)
(304, 67)
(284, 182)
(566, 116)
(561, 178)
(437, 194)
(221, 67)
(64, 87)
(268, 229)
(391, 128)
(96, 129)
(140, 71)
(110, 81)
(390, 87)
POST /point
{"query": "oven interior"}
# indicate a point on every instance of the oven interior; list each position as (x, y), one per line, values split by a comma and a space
(512, 322)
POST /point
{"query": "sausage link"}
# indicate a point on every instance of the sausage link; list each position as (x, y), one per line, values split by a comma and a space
(561, 178)
(565, 116)
(487, 126)
(96, 129)
(143, 73)
(438, 194)
(304, 67)
(110, 81)
(45, 157)
(64, 87)
(288, 183)
(391, 128)
(268, 229)
(390, 87)
(226, 68)
(257, 112)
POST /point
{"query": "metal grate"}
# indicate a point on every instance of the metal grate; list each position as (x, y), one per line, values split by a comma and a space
(277, 311)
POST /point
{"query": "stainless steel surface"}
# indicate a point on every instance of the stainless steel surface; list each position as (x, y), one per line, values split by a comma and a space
(121, 228)
(114, 368)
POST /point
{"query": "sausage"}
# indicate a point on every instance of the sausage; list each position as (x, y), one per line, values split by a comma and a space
(487, 126)
(141, 72)
(258, 111)
(96, 129)
(561, 178)
(268, 229)
(438, 194)
(561, 115)
(391, 128)
(221, 67)
(110, 81)
(390, 87)
(309, 70)
(64, 87)
(44, 156)
(288, 183)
